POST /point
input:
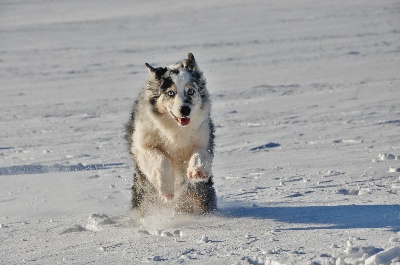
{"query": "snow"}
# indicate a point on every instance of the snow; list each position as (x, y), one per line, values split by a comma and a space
(306, 107)
(386, 256)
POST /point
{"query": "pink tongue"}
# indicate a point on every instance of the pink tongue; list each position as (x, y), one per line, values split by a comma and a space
(184, 121)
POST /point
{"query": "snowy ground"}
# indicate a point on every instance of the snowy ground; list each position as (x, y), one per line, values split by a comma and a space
(318, 78)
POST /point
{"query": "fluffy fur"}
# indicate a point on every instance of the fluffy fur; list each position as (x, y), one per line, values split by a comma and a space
(171, 139)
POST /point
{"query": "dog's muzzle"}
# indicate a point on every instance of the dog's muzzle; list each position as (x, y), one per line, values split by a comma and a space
(184, 120)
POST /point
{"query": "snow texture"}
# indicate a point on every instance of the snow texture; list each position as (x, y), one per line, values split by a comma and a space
(306, 110)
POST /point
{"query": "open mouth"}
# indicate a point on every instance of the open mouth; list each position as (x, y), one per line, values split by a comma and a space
(182, 121)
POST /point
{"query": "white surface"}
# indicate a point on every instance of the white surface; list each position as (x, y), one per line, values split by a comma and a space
(321, 79)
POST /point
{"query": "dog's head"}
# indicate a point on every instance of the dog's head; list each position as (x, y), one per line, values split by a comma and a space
(178, 90)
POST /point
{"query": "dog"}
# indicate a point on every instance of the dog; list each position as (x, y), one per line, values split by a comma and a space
(170, 136)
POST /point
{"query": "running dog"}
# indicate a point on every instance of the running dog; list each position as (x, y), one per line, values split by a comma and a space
(171, 140)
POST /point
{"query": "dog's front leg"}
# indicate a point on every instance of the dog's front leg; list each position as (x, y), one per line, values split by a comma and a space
(200, 163)
(159, 171)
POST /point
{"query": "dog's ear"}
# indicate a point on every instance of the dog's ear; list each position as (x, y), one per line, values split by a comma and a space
(190, 62)
(150, 68)
(156, 73)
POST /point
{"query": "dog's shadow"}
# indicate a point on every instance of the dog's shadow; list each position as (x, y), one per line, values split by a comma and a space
(323, 217)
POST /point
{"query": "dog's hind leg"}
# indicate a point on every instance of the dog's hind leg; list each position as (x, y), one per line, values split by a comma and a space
(199, 198)
(143, 193)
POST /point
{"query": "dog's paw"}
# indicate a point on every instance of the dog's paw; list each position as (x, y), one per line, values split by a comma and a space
(167, 197)
(197, 173)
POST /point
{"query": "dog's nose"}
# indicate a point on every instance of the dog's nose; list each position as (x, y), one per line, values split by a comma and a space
(185, 110)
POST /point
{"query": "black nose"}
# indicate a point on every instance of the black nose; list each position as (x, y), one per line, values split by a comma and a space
(185, 110)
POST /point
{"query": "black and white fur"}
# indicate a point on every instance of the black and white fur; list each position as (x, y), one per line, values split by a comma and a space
(171, 140)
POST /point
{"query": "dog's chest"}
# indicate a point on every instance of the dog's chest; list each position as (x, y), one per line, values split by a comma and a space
(178, 144)
(180, 149)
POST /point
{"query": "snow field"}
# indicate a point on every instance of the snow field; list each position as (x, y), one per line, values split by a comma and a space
(306, 107)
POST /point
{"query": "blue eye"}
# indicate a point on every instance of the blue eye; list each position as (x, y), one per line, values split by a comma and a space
(190, 92)
(171, 93)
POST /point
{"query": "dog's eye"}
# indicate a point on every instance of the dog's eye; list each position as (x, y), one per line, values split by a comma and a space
(190, 91)
(171, 93)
